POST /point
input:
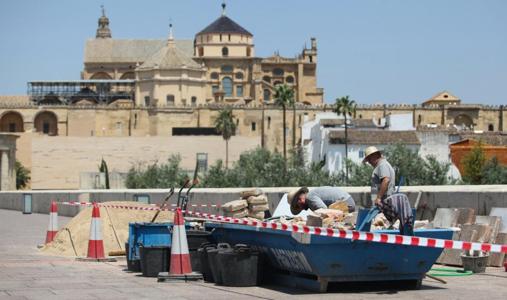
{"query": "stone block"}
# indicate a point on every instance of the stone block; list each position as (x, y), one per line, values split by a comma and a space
(500, 212)
(497, 259)
(446, 217)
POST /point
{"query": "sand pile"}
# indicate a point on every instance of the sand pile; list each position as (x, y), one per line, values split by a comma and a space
(114, 221)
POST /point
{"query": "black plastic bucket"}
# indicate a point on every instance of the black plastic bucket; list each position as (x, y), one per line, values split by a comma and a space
(239, 267)
(196, 238)
(203, 258)
(213, 261)
(155, 259)
(132, 265)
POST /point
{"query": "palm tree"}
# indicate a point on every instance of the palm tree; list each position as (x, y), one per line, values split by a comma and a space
(345, 106)
(224, 124)
(284, 96)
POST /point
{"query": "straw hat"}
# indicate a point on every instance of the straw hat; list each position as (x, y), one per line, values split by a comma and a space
(369, 151)
(294, 195)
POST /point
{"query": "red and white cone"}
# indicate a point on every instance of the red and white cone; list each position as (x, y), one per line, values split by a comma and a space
(95, 244)
(53, 223)
(180, 256)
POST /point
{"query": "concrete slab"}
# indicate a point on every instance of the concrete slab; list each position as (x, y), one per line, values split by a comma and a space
(500, 212)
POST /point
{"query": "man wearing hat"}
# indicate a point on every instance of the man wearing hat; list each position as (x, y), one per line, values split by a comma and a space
(317, 198)
(382, 179)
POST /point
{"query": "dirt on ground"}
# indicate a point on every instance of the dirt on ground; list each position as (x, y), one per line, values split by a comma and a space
(72, 240)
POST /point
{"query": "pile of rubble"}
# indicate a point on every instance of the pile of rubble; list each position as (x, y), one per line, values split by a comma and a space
(253, 204)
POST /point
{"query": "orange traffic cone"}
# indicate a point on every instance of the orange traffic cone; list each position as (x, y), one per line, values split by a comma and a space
(180, 256)
(95, 243)
(53, 223)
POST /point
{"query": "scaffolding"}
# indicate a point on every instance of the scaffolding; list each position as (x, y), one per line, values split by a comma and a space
(73, 91)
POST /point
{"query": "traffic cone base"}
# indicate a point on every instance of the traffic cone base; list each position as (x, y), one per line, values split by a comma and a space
(181, 268)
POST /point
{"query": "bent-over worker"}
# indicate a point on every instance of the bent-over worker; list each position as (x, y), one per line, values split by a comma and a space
(320, 197)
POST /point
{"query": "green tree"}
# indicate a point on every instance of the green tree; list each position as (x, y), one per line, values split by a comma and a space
(225, 125)
(156, 175)
(284, 97)
(103, 169)
(359, 174)
(345, 107)
(435, 171)
(473, 165)
(22, 175)
(493, 172)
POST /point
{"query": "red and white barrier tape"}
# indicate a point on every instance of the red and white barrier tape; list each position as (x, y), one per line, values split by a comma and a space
(75, 203)
(338, 233)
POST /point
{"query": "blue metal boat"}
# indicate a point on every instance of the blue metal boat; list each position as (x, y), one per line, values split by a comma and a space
(312, 261)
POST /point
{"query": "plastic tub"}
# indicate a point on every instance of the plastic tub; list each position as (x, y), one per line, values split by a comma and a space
(476, 264)
(155, 259)
(205, 265)
(238, 267)
(213, 261)
(196, 238)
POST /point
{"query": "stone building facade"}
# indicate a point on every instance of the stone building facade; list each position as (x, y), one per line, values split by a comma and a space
(176, 87)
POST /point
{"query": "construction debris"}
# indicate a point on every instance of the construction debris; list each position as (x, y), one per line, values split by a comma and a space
(253, 203)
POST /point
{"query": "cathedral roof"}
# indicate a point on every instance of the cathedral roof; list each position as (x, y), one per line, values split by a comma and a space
(125, 51)
(170, 57)
(224, 25)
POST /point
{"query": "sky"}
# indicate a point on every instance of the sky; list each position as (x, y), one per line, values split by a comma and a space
(375, 51)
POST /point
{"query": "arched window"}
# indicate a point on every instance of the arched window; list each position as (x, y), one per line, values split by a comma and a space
(239, 75)
(194, 100)
(214, 76)
(267, 95)
(491, 127)
(170, 100)
(266, 78)
(289, 79)
(128, 75)
(277, 72)
(227, 86)
(46, 122)
(225, 51)
(227, 69)
(100, 75)
(11, 122)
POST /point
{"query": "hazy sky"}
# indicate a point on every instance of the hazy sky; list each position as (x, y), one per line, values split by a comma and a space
(376, 51)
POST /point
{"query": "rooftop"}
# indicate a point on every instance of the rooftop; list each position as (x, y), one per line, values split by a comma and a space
(374, 137)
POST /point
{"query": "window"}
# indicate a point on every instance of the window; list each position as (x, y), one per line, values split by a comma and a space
(227, 86)
(239, 90)
(248, 51)
(202, 162)
(214, 89)
(419, 119)
(239, 75)
(269, 122)
(266, 78)
(225, 51)
(170, 100)
(146, 100)
(214, 76)
(267, 95)
(491, 127)
(360, 116)
(361, 153)
(12, 127)
(289, 79)
(227, 69)
(142, 198)
(311, 58)
(220, 37)
(253, 126)
(194, 100)
(277, 72)
(229, 37)
(201, 51)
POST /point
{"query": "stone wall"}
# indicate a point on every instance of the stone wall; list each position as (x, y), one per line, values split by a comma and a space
(480, 198)
(57, 162)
